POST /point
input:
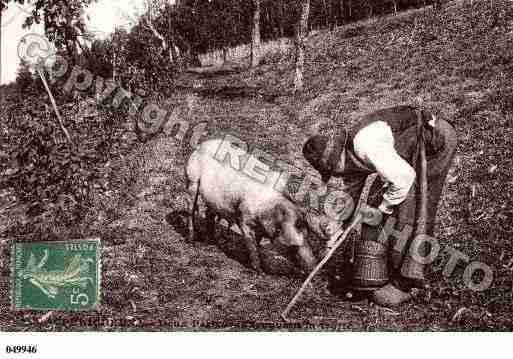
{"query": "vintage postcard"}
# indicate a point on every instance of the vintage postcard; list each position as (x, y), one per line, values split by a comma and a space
(250, 165)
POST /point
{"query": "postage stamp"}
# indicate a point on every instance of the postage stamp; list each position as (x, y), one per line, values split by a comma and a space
(61, 275)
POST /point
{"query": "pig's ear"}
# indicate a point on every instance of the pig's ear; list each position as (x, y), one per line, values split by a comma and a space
(280, 213)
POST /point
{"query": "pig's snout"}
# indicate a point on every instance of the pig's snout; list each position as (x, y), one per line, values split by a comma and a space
(306, 257)
(323, 226)
(330, 228)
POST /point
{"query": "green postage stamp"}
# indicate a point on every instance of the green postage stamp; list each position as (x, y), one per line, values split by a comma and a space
(62, 275)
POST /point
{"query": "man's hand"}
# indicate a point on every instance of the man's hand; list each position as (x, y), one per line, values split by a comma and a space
(371, 216)
(385, 208)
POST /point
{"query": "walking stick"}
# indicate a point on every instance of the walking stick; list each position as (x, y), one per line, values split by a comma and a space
(411, 268)
(341, 237)
(423, 203)
(54, 104)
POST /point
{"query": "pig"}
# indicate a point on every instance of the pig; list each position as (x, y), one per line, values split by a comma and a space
(258, 209)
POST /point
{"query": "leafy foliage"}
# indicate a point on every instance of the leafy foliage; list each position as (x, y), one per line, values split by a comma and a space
(55, 179)
(26, 81)
(64, 21)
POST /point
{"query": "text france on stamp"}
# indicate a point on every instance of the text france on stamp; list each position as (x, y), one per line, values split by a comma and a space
(61, 275)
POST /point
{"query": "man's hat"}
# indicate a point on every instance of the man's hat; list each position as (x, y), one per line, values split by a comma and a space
(325, 152)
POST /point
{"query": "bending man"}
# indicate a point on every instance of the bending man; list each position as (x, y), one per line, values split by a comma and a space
(386, 142)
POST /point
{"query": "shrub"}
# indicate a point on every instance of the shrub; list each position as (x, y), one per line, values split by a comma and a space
(58, 181)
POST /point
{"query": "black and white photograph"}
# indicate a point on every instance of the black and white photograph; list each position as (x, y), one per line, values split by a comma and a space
(255, 166)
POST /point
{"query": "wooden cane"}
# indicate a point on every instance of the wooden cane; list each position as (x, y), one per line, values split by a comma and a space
(423, 203)
(54, 104)
(410, 268)
(341, 237)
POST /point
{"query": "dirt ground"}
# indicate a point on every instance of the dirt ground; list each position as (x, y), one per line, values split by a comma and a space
(153, 279)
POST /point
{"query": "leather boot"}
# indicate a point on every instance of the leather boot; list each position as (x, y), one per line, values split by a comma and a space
(390, 296)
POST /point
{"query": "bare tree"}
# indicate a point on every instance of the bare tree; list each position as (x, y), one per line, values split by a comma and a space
(1, 94)
(173, 53)
(255, 34)
(301, 30)
(370, 8)
(341, 12)
(326, 14)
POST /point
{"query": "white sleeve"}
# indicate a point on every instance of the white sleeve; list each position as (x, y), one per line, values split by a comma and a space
(374, 144)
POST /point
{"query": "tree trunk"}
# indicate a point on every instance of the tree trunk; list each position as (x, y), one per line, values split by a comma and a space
(194, 57)
(301, 30)
(282, 18)
(188, 54)
(341, 13)
(172, 51)
(173, 55)
(225, 54)
(255, 34)
(268, 21)
(333, 13)
(2, 94)
(165, 46)
(114, 62)
(326, 14)
(369, 6)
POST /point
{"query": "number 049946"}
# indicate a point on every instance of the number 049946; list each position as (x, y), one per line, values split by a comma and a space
(21, 349)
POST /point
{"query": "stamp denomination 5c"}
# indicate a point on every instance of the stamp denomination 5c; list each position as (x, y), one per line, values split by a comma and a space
(62, 275)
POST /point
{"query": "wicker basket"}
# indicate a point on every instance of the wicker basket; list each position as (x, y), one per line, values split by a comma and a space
(370, 269)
